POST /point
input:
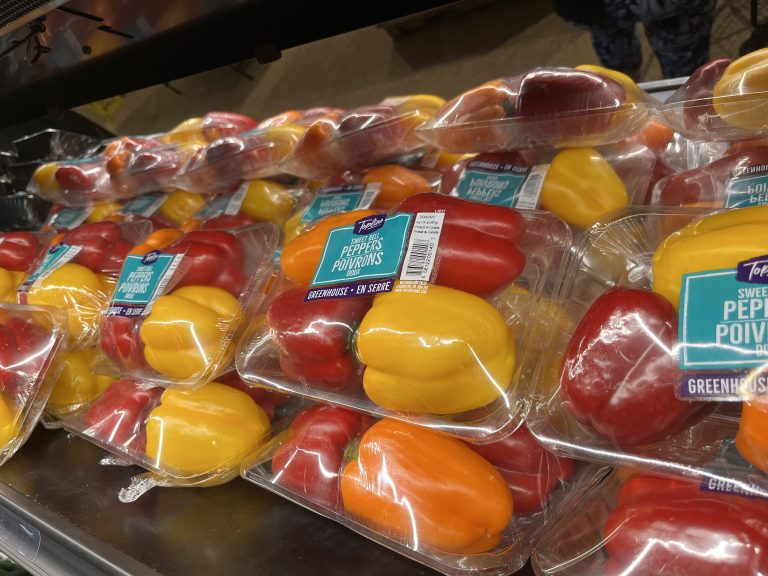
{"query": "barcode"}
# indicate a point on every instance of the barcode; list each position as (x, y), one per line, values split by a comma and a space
(531, 188)
(369, 195)
(418, 260)
(422, 246)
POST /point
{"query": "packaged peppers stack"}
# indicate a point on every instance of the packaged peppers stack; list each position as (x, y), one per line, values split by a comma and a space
(639, 524)
(456, 507)
(380, 314)
(18, 253)
(669, 341)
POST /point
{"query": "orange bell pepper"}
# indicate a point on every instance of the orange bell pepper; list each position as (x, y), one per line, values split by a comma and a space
(301, 255)
(752, 437)
(397, 184)
(421, 486)
(158, 240)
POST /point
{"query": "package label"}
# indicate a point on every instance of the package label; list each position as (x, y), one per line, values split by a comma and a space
(340, 199)
(144, 206)
(142, 279)
(748, 188)
(722, 486)
(229, 204)
(54, 258)
(501, 184)
(69, 218)
(370, 249)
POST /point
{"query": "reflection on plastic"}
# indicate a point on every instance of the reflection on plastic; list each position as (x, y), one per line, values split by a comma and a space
(19, 536)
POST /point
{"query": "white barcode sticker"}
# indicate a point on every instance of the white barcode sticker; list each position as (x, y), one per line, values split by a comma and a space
(369, 195)
(529, 192)
(236, 200)
(422, 247)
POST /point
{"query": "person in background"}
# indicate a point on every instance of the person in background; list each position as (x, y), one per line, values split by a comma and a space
(677, 30)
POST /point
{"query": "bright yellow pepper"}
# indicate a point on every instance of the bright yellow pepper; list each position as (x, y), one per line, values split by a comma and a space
(45, 178)
(739, 96)
(284, 139)
(710, 243)
(9, 283)
(442, 352)
(77, 383)
(267, 201)
(79, 291)
(9, 422)
(580, 186)
(211, 429)
(187, 333)
(180, 206)
(103, 211)
(190, 130)
(293, 227)
(633, 92)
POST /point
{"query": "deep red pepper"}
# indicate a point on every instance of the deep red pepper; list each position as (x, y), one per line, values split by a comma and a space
(121, 342)
(18, 250)
(620, 369)
(475, 237)
(81, 177)
(119, 415)
(228, 221)
(214, 258)
(219, 124)
(698, 110)
(310, 461)
(532, 473)
(103, 246)
(642, 486)
(20, 344)
(314, 338)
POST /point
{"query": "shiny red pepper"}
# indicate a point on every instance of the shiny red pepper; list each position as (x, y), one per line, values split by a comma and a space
(18, 250)
(698, 110)
(478, 250)
(103, 246)
(310, 461)
(215, 258)
(119, 415)
(121, 342)
(219, 124)
(315, 338)
(532, 473)
(20, 345)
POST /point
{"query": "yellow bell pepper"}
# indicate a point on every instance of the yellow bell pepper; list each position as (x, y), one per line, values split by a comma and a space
(284, 139)
(293, 227)
(9, 422)
(633, 92)
(180, 206)
(79, 291)
(267, 201)
(580, 186)
(9, 283)
(45, 178)
(739, 96)
(103, 211)
(211, 429)
(77, 383)
(442, 352)
(714, 242)
(190, 130)
(187, 333)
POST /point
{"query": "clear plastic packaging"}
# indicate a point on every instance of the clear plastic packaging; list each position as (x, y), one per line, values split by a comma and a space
(78, 273)
(18, 252)
(300, 117)
(645, 377)
(179, 309)
(559, 107)
(644, 524)
(361, 137)
(51, 144)
(452, 354)
(453, 507)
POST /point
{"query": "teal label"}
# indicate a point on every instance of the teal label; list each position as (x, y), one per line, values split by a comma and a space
(142, 280)
(339, 199)
(145, 205)
(750, 191)
(498, 188)
(224, 204)
(372, 248)
(55, 257)
(69, 218)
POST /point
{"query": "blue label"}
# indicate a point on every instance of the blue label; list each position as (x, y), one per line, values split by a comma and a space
(333, 200)
(371, 248)
(216, 207)
(144, 205)
(743, 192)
(141, 281)
(68, 218)
(723, 321)
(492, 183)
(55, 256)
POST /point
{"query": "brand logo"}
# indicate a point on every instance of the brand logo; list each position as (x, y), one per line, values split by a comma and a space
(369, 224)
(151, 257)
(54, 249)
(753, 271)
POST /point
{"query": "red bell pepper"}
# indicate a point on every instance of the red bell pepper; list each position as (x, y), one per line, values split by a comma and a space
(478, 250)
(315, 338)
(310, 461)
(228, 221)
(80, 177)
(698, 110)
(103, 246)
(532, 473)
(121, 342)
(119, 415)
(215, 258)
(267, 399)
(219, 124)
(18, 250)
(21, 342)
(683, 531)
(620, 369)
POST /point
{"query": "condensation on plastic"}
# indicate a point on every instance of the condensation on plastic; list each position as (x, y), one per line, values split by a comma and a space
(427, 496)
(33, 342)
(699, 441)
(472, 389)
(361, 137)
(83, 285)
(678, 528)
(197, 325)
(559, 107)
(197, 438)
(18, 252)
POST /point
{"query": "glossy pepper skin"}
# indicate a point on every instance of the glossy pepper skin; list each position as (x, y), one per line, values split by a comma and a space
(476, 237)
(442, 352)
(21, 341)
(310, 462)
(186, 333)
(18, 250)
(301, 255)
(580, 186)
(120, 342)
(77, 383)
(683, 531)
(752, 437)
(738, 94)
(421, 486)
(180, 206)
(698, 111)
(531, 472)
(215, 258)
(620, 369)
(211, 429)
(267, 399)
(267, 201)
(397, 184)
(104, 247)
(314, 338)
(712, 242)
(119, 415)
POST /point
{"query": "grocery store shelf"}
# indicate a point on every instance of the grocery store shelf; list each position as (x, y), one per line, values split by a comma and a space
(60, 516)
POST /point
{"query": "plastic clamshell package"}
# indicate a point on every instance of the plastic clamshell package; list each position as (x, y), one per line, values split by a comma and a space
(300, 117)
(448, 358)
(193, 438)
(609, 393)
(187, 335)
(644, 524)
(420, 493)
(561, 107)
(361, 137)
(18, 253)
(33, 340)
